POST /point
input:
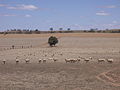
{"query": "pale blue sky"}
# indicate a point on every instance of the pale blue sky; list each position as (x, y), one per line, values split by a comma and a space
(74, 14)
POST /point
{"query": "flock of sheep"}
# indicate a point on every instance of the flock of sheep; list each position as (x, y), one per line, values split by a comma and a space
(67, 60)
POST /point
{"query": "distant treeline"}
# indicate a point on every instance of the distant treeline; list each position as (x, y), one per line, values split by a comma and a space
(27, 31)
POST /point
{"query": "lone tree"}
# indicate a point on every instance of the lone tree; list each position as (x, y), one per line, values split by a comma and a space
(52, 41)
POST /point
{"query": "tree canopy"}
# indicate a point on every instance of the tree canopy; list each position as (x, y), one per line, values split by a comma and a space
(52, 41)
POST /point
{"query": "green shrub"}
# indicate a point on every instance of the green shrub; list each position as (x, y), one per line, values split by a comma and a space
(52, 41)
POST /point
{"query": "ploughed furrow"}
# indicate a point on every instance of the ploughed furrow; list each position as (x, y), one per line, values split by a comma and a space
(112, 77)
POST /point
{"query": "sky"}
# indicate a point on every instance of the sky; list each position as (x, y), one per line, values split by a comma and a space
(74, 14)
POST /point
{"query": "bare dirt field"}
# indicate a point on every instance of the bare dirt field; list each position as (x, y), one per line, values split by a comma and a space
(60, 75)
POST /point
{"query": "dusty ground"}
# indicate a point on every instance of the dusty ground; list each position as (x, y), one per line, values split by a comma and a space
(60, 75)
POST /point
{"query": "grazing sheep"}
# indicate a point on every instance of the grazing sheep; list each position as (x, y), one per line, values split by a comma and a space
(27, 60)
(17, 61)
(101, 60)
(67, 60)
(86, 60)
(40, 60)
(110, 60)
(4, 61)
(44, 60)
(73, 60)
(90, 58)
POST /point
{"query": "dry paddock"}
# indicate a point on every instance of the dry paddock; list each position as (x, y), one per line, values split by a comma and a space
(60, 75)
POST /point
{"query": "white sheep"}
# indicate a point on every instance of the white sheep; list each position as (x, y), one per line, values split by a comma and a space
(39, 60)
(110, 60)
(101, 60)
(17, 61)
(27, 60)
(53, 59)
(73, 60)
(67, 60)
(44, 60)
(90, 58)
(4, 61)
(86, 59)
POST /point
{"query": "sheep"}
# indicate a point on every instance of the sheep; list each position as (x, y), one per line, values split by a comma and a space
(4, 61)
(17, 61)
(101, 60)
(54, 59)
(86, 59)
(39, 60)
(44, 60)
(27, 60)
(73, 60)
(90, 58)
(67, 60)
(110, 60)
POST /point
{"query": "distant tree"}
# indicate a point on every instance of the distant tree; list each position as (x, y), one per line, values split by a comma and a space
(106, 29)
(60, 30)
(36, 30)
(31, 31)
(84, 30)
(96, 29)
(99, 31)
(52, 41)
(51, 29)
(92, 30)
(68, 29)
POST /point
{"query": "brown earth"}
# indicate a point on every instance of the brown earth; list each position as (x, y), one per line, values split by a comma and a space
(60, 75)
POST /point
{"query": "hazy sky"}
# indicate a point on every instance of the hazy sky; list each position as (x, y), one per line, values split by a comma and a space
(74, 14)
